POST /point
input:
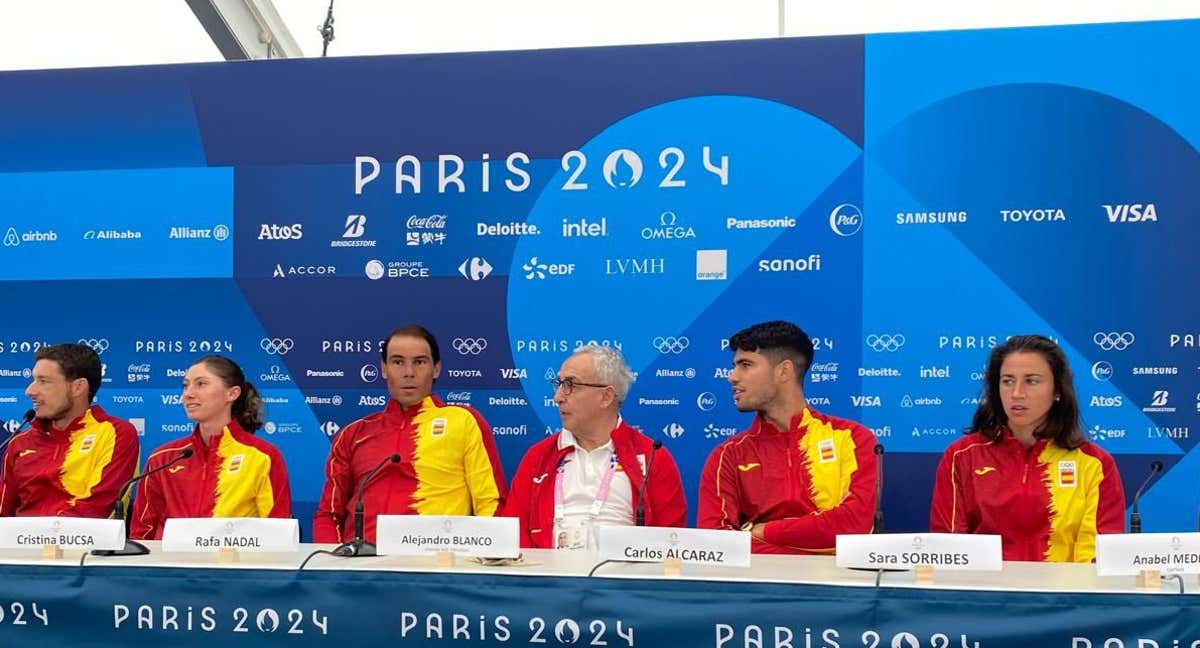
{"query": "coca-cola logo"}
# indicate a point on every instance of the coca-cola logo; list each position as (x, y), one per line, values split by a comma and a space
(433, 221)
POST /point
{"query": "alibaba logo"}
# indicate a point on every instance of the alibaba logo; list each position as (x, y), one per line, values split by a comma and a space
(748, 467)
(985, 470)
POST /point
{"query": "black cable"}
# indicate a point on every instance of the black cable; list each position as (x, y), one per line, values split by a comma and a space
(1176, 577)
(313, 554)
(601, 564)
(85, 555)
(878, 576)
(327, 30)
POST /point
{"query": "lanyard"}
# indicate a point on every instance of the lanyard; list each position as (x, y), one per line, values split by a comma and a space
(601, 492)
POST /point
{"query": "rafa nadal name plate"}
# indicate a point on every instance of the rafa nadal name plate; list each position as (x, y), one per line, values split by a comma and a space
(83, 534)
(1127, 554)
(464, 535)
(252, 535)
(656, 544)
(948, 551)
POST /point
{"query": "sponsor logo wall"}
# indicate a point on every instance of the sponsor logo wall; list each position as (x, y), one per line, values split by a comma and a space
(657, 219)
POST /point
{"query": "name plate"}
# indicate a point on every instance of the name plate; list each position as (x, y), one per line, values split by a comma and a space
(1125, 554)
(692, 546)
(948, 551)
(465, 535)
(243, 534)
(82, 534)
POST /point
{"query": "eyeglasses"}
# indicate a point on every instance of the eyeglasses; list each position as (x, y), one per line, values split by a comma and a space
(570, 384)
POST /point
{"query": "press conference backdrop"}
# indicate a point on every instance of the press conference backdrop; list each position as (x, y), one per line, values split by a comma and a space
(910, 200)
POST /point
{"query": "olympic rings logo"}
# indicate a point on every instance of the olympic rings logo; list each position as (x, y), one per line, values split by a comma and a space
(1113, 340)
(99, 345)
(469, 346)
(276, 346)
(885, 342)
(674, 345)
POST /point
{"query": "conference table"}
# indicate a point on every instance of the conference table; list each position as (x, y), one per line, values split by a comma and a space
(194, 599)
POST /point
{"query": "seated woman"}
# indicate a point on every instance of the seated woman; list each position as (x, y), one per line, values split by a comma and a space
(1025, 471)
(231, 472)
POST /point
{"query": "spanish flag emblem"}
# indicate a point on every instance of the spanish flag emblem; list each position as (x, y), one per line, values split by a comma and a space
(826, 450)
(1066, 474)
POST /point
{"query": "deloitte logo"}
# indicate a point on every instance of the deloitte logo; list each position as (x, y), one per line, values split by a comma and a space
(845, 220)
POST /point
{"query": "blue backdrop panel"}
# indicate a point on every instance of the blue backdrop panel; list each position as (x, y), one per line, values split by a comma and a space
(910, 200)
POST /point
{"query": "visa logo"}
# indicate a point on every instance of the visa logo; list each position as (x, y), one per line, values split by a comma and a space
(172, 399)
(1131, 213)
(865, 401)
(508, 373)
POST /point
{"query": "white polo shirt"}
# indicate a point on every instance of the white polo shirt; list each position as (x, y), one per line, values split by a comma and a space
(582, 474)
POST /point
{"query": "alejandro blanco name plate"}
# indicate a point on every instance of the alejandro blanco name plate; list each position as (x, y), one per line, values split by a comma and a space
(656, 544)
(252, 535)
(82, 534)
(949, 551)
(1123, 554)
(464, 535)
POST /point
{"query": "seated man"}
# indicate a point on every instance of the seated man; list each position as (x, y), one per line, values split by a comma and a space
(594, 471)
(74, 458)
(796, 478)
(449, 464)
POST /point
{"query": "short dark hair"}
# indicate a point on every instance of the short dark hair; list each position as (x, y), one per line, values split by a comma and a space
(779, 341)
(416, 331)
(76, 361)
(1062, 425)
(248, 408)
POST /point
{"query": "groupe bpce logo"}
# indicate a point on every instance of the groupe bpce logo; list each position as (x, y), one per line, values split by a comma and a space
(470, 346)
(276, 346)
(885, 341)
(672, 345)
(99, 345)
(1113, 340)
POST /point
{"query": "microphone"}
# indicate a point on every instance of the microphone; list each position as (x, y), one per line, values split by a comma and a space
(25, 421)
(1135, 518)
(359, 546)
(878, 524)
(132, 547)
(640, 519)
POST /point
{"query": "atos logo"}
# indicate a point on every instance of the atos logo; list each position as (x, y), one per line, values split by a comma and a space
(845, 220)
(722, 372)
(271, 232)
(1131, 213)
(372, 401)
(865, 401)
(1106, 401)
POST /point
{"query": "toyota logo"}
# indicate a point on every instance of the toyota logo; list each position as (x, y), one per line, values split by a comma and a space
(469, 346)
(1113, 340)
(674, 345)
(885, 341)
(276, 346)
(99, 345)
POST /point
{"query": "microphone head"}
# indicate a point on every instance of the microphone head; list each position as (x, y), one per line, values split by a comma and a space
(395, 458)
(29, 416)
(186, 452)
(656, 445)
(879, 448)
(1156, 466)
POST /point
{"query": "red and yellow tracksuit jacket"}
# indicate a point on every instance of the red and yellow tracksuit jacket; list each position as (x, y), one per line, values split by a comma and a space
(75, 472)
(449, 466)
(236, 475)
(807, 484)
(532, 496)
(1045, 502)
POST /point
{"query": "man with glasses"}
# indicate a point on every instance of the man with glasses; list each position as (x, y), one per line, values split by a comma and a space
(594, 471)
